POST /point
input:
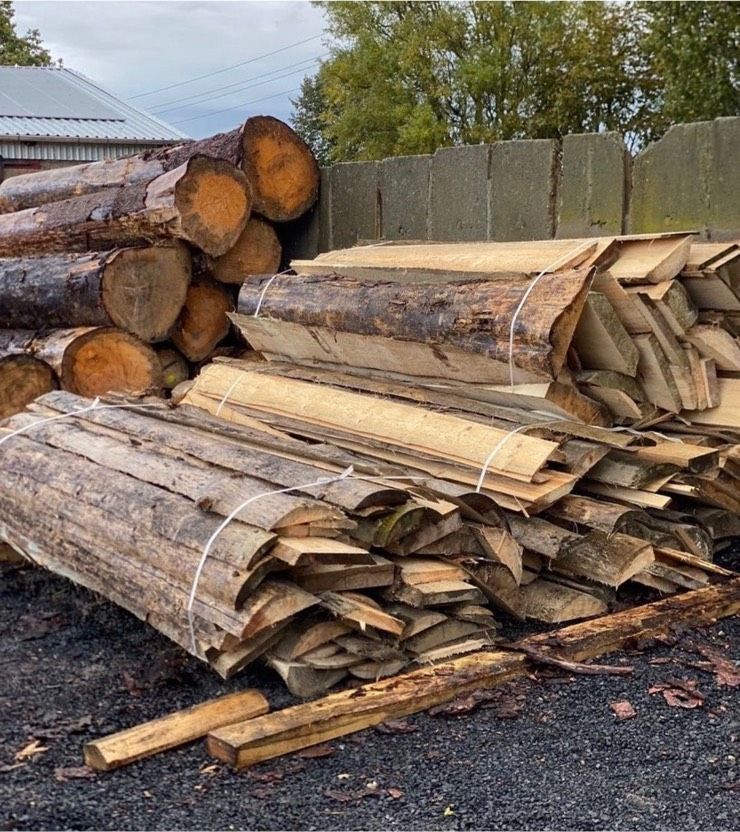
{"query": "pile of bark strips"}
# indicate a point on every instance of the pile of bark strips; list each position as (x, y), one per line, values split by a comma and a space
(117, 275)
(423, 439)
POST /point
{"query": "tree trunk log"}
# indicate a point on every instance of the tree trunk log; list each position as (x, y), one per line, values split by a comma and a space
(90, 361)
(175, 367)
(474, 316)
(141, 290)
(203, 323)
(257, 251)
(281, 169)
(205, 202)
(22, 379)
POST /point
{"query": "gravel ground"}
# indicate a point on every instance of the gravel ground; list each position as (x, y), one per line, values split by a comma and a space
(545, 753)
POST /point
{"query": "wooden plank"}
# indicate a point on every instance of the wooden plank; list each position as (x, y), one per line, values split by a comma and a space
(173, 730)
(346, 712)
(600, 339)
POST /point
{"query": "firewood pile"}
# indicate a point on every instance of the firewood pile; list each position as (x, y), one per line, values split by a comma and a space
(116, 276)
(424, 440)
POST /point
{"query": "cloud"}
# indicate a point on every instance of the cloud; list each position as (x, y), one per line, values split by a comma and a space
(136, 47)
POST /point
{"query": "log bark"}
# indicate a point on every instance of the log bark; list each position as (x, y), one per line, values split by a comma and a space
(281, 169)
(175, 367)
(474, 315)
(202, 323)
(205, 202)
(257, 251)
(90, 361)
(22, 379)
(141, 290)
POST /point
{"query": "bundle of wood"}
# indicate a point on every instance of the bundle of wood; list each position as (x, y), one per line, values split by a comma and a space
(100, 261)
(620, 330)
(322, 572)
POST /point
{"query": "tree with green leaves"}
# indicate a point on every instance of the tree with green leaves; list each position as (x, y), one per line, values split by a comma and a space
(407, 77)
(17, 49)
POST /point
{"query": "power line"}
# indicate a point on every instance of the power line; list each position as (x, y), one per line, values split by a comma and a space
(226, 69)
(237, 106)
(233, 88)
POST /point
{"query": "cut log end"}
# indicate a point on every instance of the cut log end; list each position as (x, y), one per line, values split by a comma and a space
(202, 322)
(144, 289)
(257, 251)
(22, 379)
(175, 368)
(110, 361)
(280, 167)
(214, 202)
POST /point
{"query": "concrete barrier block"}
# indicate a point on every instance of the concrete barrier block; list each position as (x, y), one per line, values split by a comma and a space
(521, 193)
(689, 180)
(354, 203)
(593, 187)
(458, 207)
(404, 197)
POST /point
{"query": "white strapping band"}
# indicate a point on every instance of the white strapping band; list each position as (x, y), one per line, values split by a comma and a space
(264, 291)
(230, 390)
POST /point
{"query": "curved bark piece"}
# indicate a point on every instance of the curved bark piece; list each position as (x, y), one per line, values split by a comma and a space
(90, 361)
(257, 251)
(282, 170)
(141, 290)
(204, 201)
(473, 315)
(22, 379)
(202, 322)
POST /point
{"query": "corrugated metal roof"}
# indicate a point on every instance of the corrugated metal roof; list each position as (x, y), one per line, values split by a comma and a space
(56, 103)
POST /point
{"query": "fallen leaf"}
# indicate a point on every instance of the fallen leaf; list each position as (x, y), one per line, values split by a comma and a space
(725, 670)
(132, 685)
(623, 709)
(323, 750)
(448, 812)
(262, 792)
(38, 626)
(342, 797)
(74, 773)
(343, 776)
(6, 767)
(31, 750)
(209, 769)
(679, 693)
(266, 776)
(395, 793)
(396, 726)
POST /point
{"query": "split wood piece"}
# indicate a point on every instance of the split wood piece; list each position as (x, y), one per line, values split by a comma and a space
(630, 496)
(175, 368)
(140, 290)
(447, 632)
(713, 291)
(664, 333)
(257, 251)
(414, 571)
(727, 414)
(345, 577)
(435, 594)
(555, 603)
(173, 730)
(627, 305)
(652, 259)
(9, 556)
(601, 340)
(346, 712)
(595, 514)
(413, 428)
(629, 470)
(622, 394)
(304, 681)
(22, 379)
(309, 636)
(360, 612)
(283, 174)
(697, 459)
(671, 300)
(474, 316)
(204, 202)
(203, 321)
(500, 546)
(208, 489)
(717, 344)
(609, 559)
(443, 262)
(317, 551)
(655, 375)
(90, 361)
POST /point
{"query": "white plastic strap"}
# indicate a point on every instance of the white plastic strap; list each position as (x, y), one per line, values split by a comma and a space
(230, 390)
(264, 292)
(94, 406)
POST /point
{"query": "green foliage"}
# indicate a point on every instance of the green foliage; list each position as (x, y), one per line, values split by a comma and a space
(408, 77)
(23, 50)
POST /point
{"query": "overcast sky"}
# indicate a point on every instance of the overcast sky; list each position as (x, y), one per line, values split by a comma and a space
(133, 47)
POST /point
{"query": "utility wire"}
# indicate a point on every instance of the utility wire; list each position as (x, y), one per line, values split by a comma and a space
(306, 63)
(237, 106)
(226, 69)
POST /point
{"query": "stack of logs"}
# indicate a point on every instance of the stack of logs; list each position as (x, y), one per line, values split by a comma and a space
(99, 262)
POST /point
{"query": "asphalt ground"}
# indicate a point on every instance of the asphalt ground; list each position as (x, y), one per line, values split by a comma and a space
(546, 752)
